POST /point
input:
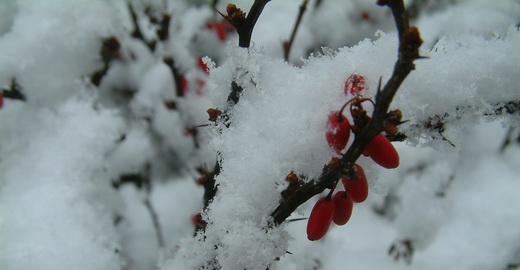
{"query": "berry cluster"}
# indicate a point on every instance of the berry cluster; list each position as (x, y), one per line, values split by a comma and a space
(338, 208)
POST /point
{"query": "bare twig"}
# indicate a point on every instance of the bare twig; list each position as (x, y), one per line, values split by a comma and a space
(110, 50)
(142, 182)
(164, 27)
(409, 42)
(14, 91)
(137, 30)
(287, 45)
(177, 77)
(437, 123)
(207, 180)
(155, 221)
(214, 4)
(402, 249)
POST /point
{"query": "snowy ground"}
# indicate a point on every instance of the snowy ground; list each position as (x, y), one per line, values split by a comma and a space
(66, 148)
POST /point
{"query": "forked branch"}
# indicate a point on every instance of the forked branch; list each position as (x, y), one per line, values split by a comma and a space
(244, 25)
(409, 43)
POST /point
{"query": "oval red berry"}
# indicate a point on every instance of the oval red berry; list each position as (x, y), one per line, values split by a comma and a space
(202, 65)
(221, 31)
(382, 152)
(343, 205)
(320, 219)
(338, 131)
(357, 189)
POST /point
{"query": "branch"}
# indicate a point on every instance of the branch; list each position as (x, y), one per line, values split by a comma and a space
(399, 12)
(287, 45)
(14, 91)
(409, 42)
(155, 220)
(143, 182)
(110, 50)
(137, 30)
(244, 25)
(177, 77)
(437, 123)
(207, 180)
(214, 4)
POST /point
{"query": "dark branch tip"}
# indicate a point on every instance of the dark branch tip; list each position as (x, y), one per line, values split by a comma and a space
(384, 2)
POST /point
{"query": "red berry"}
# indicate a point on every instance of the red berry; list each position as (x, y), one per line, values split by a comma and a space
(195, 219)
(187, 131)
(338, 131)
(382, 152)
(354, 84)
(221, 31)
(365, 16)
(1, 100)
(210, 25)
(357, 189)
(320, 219)
(202, 65)
(343, 208)
(184, 86)
(201, 85)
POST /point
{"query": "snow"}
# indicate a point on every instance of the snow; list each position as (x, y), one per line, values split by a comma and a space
(55, 199)
(65, 152)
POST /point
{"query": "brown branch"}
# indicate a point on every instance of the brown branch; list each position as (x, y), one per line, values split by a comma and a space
(214, 4)
(110, 50)
(137, 30)
(14, 91)
(244, 25)
(399, 12)
(155, 221)
(287, 45)
(409, 42)
(207, 180)
(164, 27)
(177, 77)
(143, 182)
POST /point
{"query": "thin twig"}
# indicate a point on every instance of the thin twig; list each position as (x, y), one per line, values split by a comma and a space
(177, 77)
(287, 45)
(137, 30)
(14, 91)
(155, 221)
(214, 4)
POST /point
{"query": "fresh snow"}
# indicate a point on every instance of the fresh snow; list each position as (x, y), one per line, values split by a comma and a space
(65, 151)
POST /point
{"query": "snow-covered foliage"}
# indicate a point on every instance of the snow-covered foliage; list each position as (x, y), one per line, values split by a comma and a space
(106, 149)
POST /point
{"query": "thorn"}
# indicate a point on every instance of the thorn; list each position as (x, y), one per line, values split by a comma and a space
(296, 219)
